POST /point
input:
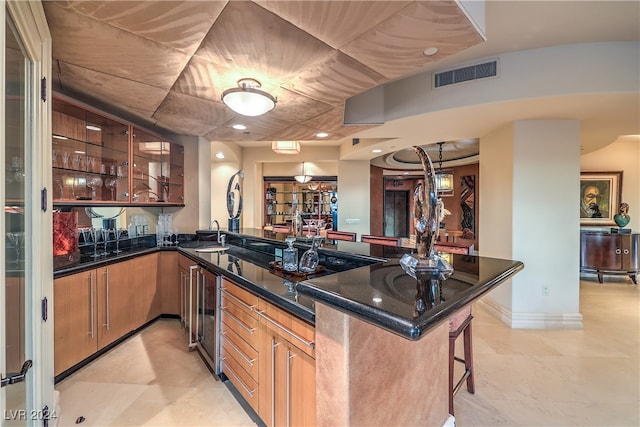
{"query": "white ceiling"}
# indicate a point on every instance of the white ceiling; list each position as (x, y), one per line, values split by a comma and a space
(134, 78)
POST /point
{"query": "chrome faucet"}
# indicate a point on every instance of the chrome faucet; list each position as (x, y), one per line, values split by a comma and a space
(217, 230)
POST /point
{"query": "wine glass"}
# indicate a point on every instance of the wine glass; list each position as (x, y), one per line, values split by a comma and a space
(310, 222)
(105, 232)
(17, 241)
(111, 184)
(94, 183)
(95, 233)
(117, 233)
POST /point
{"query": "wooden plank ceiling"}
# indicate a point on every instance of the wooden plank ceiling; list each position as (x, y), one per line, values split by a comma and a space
(167, 63)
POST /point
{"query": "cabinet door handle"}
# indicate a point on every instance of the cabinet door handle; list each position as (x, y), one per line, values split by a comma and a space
(191, 268)
(239, 301)
(274, 344)
(108, 324)
(626, 252)
(238, 321)
(309, 344)
(244, 356)
(288, 379)
(230, 371)
(92, 298)
(618, 251)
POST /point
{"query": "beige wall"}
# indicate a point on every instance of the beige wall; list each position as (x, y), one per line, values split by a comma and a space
(622, 155)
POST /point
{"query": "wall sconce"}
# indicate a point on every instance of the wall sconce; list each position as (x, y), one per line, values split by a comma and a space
(444, 181)
(286, 147)
(304, 178)
(247, 99)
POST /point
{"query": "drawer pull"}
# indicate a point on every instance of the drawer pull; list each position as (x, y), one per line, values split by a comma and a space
(238, 321)
(230, 371)
(238, 300)
(293, 334)
(246, 358)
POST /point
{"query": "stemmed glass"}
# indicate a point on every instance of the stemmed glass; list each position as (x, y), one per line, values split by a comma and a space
(111, 184)
(105, 239)
(95, 233)
(17, 240)
(118, 233)
(94, 183)
(310, 223)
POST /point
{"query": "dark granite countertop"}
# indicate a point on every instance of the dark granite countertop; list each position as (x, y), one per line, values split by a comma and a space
(375, 290)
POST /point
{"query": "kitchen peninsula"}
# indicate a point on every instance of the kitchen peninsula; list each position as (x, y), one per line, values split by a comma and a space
(362, 342)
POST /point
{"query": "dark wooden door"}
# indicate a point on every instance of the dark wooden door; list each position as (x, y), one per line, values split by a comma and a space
(396, 213)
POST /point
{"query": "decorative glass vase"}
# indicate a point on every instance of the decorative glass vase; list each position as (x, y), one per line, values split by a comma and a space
(290, 255)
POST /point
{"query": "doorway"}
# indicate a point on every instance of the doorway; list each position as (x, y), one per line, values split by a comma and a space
(396, 209)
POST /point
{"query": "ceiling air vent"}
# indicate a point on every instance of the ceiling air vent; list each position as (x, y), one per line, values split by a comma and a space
(464, 74)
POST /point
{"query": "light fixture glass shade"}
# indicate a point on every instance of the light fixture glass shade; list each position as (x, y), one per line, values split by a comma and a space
(247, 99)
(304, 178)
(444, 181)
(286, 147)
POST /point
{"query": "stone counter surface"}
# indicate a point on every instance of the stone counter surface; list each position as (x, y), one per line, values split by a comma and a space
(379, 293)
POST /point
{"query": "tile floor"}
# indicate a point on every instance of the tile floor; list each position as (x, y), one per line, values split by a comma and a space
(589, 377)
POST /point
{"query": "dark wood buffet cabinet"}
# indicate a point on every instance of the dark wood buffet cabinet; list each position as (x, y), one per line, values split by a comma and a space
(609, 253)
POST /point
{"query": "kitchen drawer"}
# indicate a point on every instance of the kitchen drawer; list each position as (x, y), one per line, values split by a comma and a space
(250, 300)
(245, 355)
(291, 328)
(241, 322)
(247, 386)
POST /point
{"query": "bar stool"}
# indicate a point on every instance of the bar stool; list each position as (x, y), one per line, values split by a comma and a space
(460, 323)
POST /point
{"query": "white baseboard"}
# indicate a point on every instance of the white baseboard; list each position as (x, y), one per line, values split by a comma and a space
(533, 320)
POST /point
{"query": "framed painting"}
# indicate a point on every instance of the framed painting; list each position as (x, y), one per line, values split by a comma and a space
(600, 195)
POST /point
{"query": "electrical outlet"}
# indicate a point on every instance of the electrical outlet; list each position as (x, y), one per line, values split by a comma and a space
(545, 290)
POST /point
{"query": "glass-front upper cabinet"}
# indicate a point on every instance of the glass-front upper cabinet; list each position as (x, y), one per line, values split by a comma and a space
(90, 155)
(158, 170)
(99, 160)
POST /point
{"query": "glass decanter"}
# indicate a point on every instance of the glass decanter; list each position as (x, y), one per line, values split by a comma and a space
(310, 259)
(290, 255)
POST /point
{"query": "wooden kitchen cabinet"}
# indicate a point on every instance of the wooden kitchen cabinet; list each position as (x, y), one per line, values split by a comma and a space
(95, 308)
(75, 319)
(169, 282)
(610, 253)
(146, 295)
(98, 159)
(287, 387)
(116, 294)
(239, 340)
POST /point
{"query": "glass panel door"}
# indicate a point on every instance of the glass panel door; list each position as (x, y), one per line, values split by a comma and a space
(16, 246)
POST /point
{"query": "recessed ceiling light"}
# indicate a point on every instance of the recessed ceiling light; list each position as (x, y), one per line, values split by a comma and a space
(322, 134)
(430, 51)
(92, 127)
(377, 150)
(220, 155)
(377, 300)
(238, 126)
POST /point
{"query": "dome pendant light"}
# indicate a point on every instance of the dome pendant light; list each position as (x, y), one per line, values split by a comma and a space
(303, 179)
(247, 99)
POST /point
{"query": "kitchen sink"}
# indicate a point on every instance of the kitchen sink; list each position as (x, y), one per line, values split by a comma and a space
(212, 249)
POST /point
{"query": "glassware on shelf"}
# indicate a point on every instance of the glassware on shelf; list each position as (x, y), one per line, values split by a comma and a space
(290, 255)
(111, 184)
(17, 241)
(65, 159)
(94, 183)
(310, 259)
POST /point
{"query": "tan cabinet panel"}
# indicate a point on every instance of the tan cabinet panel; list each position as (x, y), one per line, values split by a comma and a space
(75, 319)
